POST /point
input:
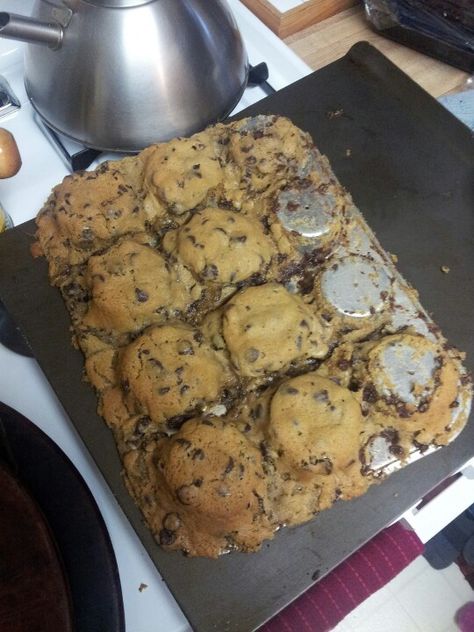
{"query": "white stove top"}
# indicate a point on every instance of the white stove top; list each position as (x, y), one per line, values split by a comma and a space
(22, 383)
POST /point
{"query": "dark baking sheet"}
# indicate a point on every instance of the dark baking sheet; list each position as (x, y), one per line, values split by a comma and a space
(411, 171)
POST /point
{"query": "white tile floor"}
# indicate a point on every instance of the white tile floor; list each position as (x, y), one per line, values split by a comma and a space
(419, 599)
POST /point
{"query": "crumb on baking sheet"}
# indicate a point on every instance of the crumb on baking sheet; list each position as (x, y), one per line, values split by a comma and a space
(332, 114)
(393, 257)
(142, 587)
(445, 269)
(348, 152)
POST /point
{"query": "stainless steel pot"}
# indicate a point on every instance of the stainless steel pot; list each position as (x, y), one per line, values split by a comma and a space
(123, 74)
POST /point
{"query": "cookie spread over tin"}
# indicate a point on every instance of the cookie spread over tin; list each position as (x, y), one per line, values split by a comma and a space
(253, 349)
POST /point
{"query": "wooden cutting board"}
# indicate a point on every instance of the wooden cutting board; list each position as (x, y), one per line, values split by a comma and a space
(285, 17)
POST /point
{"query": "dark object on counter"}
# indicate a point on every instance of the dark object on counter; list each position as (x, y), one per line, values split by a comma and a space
(443, 29)
(75, 523)
(409, 170)
(34, 594)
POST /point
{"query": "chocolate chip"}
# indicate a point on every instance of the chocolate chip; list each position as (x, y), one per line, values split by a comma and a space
(163, 390)
(185, 347)
(252, 354)
(256, 412)
(321, 396)
(396, 450)
(369, 394)
(186, 494)
(210, 271)
(230, 466)
(197, 454)
(141, 295)
(292, 391)
(423, 406)
(343, 364)
(184, 442)
(166, 537)
(299, 342)
(142, 425)
(198, 337)
(175, 423)
(153, 361)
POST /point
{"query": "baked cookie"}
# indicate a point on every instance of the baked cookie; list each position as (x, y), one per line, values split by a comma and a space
(85, 213)
(222, 246)
(131, 286)
(212, 489)
(266, 329)
(183, 173)
(264, 153)
(315, 425)
(170, 373)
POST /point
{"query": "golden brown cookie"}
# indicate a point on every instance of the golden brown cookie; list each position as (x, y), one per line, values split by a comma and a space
(133, 286)
(315, 424)
(213, 494)
(267, 151)
(181, 174)
(87, 211)
(170, 373)
(266, 329)
(221, 246)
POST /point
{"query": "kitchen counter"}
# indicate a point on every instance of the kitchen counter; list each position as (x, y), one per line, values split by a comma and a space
(330, 39)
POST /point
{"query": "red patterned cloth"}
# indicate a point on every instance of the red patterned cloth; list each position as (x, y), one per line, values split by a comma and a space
(326, 603)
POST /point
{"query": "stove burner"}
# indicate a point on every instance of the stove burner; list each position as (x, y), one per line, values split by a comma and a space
(258, 76)
(78, 157)
(8, 101)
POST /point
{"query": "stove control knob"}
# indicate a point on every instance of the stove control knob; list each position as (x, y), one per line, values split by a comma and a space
(10, 161)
